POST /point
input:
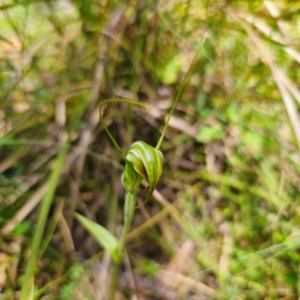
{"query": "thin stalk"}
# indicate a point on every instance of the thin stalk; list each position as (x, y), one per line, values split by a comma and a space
(113, 100)
(115, 279)
(130, 200)
(42, 218)
(177, 96)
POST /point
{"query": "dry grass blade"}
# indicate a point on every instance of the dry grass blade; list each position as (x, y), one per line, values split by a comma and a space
(25, 209)
(283, 83)
(26, 185)
(10, 161)
(35, 199)
(289, 103)
(175, 281)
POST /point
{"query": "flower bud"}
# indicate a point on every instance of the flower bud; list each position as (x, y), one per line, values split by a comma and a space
(146, 163)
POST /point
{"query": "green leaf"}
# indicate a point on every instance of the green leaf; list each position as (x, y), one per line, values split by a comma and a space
(22, 228)
(6, 139)
(168, 74)
(208, 134)
(10, 65)
(149, 267)
(106, 239)
(253, 141)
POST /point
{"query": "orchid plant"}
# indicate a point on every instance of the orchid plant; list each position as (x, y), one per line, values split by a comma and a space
(141, 162)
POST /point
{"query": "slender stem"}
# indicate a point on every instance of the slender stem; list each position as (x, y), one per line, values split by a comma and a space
(121, 100)
(178, 95)
(115, 279)
(130, 200)
(42, 218)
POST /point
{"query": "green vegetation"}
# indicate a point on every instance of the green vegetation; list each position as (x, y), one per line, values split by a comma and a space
(223, 220)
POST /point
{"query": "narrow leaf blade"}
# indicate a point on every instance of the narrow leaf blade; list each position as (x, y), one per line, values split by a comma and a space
(106, 239)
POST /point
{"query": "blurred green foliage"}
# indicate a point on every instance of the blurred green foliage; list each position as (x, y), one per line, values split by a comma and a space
(231, 156)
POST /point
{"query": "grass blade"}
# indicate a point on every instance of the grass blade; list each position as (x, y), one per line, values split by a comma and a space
(42, 218)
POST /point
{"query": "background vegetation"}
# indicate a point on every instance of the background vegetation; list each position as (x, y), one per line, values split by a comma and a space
(223, 222)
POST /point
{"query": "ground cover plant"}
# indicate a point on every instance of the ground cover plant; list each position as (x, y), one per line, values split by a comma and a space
(223, 221)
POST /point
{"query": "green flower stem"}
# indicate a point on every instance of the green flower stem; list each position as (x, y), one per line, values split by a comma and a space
(115, 280)
(116, 100)
(129, 206)
(130, 200)
(178, 95)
